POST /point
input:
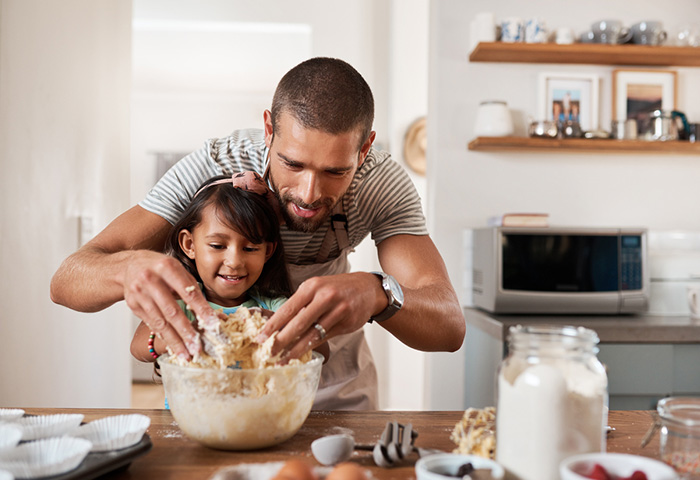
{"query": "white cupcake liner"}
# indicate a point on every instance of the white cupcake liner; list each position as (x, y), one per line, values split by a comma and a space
(10, 414)
(45, 426)
(46, 457)
(5, 475)
(10, 435)
(114, 433)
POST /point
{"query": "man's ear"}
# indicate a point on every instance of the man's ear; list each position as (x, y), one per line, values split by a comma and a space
(364, 150)
(270, 249)
(184, 238)
(267, 117)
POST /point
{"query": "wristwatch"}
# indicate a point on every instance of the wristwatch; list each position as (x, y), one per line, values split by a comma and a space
(393, 293)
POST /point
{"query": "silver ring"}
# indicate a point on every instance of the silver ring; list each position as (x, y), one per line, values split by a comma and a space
(321, 330)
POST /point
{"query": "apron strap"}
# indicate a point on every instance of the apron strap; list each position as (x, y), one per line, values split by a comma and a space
(337, 229)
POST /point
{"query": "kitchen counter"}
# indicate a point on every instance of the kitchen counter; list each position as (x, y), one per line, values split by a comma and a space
(647, 357)
(174, 456)
(610, 328)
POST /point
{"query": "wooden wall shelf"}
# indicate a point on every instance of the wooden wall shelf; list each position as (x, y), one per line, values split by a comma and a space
(586, 53)
(574, 145)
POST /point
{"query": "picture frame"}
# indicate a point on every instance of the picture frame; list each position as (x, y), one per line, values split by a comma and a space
(570, 96)
(636, 93)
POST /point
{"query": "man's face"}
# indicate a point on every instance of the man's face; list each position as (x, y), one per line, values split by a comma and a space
(310, 170)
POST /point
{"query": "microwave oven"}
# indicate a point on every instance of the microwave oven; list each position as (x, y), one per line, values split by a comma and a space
(550, 270)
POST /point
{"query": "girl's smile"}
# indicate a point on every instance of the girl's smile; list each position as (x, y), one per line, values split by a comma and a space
(227, 262)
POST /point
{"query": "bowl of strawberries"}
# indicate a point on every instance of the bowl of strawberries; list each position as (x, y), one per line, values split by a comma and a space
(615, 466)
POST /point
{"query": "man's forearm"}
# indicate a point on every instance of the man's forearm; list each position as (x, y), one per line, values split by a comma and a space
(87, 281)
(430, 319)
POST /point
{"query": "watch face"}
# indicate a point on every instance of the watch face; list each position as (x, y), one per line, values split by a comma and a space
(395, 288)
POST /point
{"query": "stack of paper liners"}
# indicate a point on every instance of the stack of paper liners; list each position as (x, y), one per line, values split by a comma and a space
(520, 220)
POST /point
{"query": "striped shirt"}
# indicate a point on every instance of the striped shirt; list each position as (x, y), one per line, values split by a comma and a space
(381, 200)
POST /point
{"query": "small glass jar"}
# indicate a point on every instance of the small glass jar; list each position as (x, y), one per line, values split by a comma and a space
(680, 434)
(552, 400)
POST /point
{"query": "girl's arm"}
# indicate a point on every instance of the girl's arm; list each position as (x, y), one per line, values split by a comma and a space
(139, 344)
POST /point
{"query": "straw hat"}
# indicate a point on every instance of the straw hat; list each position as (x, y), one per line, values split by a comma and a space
(414, 146)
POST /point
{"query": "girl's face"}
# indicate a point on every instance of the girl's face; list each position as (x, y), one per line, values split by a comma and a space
(227, 262)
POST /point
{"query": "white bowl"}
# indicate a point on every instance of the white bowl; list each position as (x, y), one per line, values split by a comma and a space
(43, 458)
(45, 426)
(444, 466)
(10, 435)
(10, 414)
(617, 464)
(5, 475)
(115, 432)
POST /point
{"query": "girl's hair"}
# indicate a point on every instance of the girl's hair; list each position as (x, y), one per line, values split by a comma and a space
(248, 214)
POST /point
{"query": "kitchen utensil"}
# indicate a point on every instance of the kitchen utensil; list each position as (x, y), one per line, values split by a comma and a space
(596, 134)
(648, 33)
(570, 129)
(694, 300)
(535, 30)
(610, 31)
(394, 445)
(512, 30)
(624, 129)
(493, 119)
(665, 126)
(680, 434)
(564, 36)
(444, 466)
(543, 129)
(618, 465)
(241, 409)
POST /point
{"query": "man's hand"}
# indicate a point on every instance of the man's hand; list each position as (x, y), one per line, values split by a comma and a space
(152, 282)
(338, 303)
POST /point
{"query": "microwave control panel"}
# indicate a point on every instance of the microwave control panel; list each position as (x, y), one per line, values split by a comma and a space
(630, 262)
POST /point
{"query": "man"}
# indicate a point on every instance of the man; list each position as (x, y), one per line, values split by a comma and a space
(334, 189)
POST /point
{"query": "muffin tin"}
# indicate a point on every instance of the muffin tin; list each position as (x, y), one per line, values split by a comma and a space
(58, 447)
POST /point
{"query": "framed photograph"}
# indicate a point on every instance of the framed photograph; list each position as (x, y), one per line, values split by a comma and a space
(570, 96)
(639, 92)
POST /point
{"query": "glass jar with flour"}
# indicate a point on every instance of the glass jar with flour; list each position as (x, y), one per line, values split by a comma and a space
(552, 400)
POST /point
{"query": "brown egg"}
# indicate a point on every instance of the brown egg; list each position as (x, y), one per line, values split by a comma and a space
(347, 471)
(296, 470)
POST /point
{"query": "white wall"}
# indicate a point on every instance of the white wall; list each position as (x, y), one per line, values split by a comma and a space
(64, 95)
(656, 191)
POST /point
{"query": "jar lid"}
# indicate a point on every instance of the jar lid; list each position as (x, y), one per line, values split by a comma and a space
(681, 410)
(489, 102)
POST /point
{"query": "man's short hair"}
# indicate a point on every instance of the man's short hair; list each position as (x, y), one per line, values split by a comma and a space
(325, 94)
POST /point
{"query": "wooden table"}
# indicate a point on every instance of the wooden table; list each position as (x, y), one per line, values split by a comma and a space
(174, 456)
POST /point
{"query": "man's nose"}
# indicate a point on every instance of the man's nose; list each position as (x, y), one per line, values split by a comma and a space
(310, 188)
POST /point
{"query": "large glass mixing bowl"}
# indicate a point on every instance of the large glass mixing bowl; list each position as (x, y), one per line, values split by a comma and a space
(241, 409)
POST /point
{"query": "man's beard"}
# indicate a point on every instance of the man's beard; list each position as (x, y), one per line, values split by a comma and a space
(299, 224)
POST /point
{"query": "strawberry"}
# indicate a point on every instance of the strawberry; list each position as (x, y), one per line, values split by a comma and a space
(637, 475)
(599, 473)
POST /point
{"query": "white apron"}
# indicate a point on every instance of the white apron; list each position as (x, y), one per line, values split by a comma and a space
(348, 378)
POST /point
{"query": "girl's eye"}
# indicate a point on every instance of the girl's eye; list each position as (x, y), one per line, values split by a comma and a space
(251, 249)
(216, 246)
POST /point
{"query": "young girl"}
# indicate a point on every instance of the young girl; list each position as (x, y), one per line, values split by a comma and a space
(229, 239)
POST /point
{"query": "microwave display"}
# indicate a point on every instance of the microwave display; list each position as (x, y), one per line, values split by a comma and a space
(571, 263)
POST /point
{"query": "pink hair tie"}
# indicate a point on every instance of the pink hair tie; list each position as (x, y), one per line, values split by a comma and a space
(250, 182)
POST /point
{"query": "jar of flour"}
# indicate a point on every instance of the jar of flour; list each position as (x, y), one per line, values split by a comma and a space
(552, 400)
